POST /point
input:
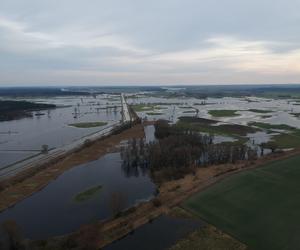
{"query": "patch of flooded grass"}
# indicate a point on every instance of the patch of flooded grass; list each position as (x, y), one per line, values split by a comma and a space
(271, 126)
(296, 115)
(143, 107)
(261, 111)
(189, 111)
(206, 126)
(154, 113)
(287, 140)
(88, 124)
(223, 113)
(87, 194)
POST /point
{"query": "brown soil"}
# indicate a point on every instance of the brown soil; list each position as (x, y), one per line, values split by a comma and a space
(38, 179)
(171, 194)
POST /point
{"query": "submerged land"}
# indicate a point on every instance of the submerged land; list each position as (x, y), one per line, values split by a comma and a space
(226, 176)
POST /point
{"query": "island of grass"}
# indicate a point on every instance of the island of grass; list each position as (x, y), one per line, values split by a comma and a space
(287, 140)
(189, 111)
(185, 107)
(236, 131)
(88, 124)
(87, 194)
(260, 111)
(296, 115)
(154, 113)
(271, 126)
(266, 116)
(209, 126)
(11, 110)
(223, 113)
(259, 207)
(143, 107)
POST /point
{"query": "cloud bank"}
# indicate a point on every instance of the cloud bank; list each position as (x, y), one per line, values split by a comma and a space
(142, 42)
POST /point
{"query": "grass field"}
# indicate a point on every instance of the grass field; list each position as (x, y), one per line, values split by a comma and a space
(259, 207)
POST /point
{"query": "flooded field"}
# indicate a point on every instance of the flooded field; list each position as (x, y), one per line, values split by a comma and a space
(80, 196)
(23, 138)
(160, 234)
(99, 189)
(247, 111)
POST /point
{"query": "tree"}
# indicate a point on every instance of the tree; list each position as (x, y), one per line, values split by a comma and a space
(12, 238)
(272, 145)
(45, 149)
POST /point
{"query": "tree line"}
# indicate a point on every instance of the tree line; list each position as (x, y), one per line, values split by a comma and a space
(179, 150)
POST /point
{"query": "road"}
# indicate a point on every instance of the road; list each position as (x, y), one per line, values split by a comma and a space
(126, 114)
(40, 159)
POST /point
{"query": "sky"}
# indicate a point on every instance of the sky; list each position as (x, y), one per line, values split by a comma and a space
(95, 42)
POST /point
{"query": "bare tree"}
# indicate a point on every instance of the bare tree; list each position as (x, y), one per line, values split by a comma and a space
(12, 237)
(45, 149)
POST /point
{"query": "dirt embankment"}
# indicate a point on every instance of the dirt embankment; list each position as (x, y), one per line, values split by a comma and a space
(171, 194)
(32, 180)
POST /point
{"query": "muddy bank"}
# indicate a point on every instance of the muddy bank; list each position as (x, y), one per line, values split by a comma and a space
(30, 181)
(172, 193)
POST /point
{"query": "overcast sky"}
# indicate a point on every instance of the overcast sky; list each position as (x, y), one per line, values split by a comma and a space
(94, 42)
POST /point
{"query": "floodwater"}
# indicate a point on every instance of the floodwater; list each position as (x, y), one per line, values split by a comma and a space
(23, 138)
(172, 108)
(160, 234)
(277, 111)
(149, 133)
(55, 211)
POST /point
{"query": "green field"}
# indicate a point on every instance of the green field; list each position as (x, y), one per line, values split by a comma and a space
(259, 207)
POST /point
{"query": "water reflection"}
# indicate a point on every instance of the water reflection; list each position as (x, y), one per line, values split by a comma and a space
(54, 211)
(161, 234)
(51, 126)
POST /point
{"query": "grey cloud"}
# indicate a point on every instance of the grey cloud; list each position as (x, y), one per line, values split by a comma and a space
(137, 40)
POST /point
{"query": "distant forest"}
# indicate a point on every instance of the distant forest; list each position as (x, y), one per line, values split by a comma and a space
(176, 91)
(10, 110)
